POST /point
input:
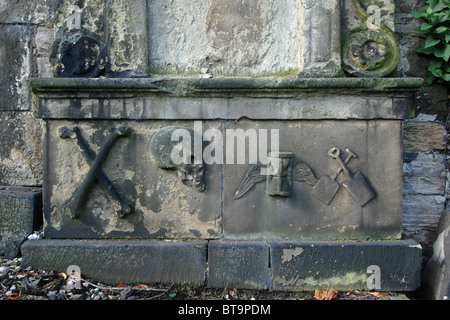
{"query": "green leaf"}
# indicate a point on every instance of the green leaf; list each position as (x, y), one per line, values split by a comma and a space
(446, 54)
(418, 14)
(425, 50)
(431, 42)
(443, 53)
(446, 77)
(447, 38)
(425, 27)
(430, 79)
(435, 64)
(441, 5)
(437, 73)
(441, 29)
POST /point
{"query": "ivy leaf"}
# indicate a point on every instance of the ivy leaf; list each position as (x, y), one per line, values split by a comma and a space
(431, 42)
(430, 79)
(437, 73)
(424, 50)
(419, 14)
(447, 38)
(425, 27)
(434, 64)
(441, 29)
(443, 53)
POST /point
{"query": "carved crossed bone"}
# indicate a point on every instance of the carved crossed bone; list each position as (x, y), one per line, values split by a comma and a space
(95, 173)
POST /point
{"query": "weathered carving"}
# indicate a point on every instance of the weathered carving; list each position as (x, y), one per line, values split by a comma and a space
(327, 187)
(77, 200)
(356, 184)
(371, 50)
(78, 53)
(161, 148)
(125, 207)
(278, 176)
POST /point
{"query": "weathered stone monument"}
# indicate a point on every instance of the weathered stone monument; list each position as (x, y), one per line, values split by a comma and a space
(228, 143)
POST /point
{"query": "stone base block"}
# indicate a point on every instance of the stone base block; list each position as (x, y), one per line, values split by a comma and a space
(238, 265)
(371, 265)
(20, 215)
(127, 262)
(279, 266)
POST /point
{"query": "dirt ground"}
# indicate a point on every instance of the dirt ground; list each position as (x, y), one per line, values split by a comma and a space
(17, 283)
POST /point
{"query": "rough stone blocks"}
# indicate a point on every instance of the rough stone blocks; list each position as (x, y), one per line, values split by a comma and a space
(20, 215)
(116, 262)
(238, 265)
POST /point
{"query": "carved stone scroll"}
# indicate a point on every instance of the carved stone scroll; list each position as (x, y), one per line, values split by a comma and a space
(371, 49)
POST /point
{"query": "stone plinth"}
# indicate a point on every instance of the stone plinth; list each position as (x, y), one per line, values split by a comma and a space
(294, 160)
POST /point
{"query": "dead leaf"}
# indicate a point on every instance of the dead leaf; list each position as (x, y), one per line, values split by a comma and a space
(75, 275)
(329, 294)
(379, 294)
(12, 296)
(62, 274)
(233, 292)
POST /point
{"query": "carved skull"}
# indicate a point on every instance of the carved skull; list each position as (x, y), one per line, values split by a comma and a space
(161, 149)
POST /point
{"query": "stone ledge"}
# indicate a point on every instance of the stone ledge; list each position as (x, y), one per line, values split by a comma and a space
(223, 98)
(343, 265)
(281, 266)
(116, 262)
(178, 86)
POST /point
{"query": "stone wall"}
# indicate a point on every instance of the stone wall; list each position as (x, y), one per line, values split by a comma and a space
(425, 133)
(27, 30)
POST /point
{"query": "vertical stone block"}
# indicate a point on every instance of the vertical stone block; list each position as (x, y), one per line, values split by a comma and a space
(19, 216)
(129, 262)
(346, 265)
(320, 54)
(15, 60)
(238, 265)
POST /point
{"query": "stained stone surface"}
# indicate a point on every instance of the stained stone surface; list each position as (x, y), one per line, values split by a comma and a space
(164, 206)
(20, 215)
(238, 265)
(118, 262)
(311, 265)
(314, 116)
(377, 144)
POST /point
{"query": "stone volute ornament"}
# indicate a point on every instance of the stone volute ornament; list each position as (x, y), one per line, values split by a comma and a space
(371, 50)
(78, 53)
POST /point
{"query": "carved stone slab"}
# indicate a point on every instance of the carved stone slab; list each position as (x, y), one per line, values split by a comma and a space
(337, 173)
(163, 205)
(305, 214)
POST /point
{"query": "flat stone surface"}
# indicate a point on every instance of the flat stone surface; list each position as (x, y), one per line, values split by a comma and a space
(164, 207)
(20, 215)
(122, 262)
(236, 37)
(256, 215)
(343, 265)
(238, 265)
(225, 98)
(15, 51)
(167, 208)
(437, 272)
